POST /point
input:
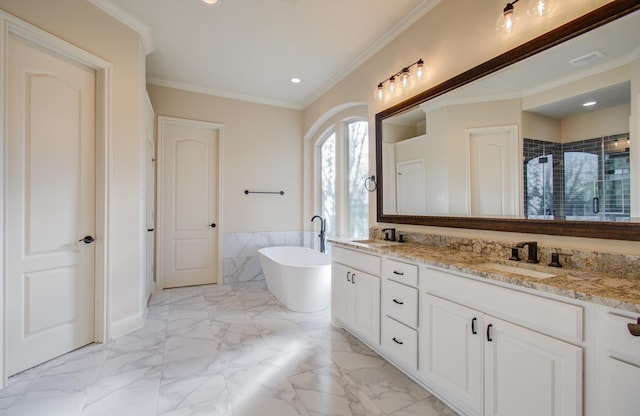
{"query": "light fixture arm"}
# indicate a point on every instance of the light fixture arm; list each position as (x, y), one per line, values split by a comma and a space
(509, 7)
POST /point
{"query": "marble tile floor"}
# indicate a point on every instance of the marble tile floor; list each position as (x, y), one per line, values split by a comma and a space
(229, 350)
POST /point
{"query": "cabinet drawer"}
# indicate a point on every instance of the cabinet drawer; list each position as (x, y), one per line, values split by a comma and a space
(400, 341)
(617, 337)
(364, 262)
(400, 272)
(400, 302)
(548, 316)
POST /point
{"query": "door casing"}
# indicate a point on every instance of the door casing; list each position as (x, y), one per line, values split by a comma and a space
(12, 25)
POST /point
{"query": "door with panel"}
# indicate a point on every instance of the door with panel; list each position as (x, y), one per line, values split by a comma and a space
(530, 374)
(190, 164)
(453, 352)
(50, 194)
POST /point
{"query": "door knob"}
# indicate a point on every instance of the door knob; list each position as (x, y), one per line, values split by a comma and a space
(212, 225)
(88, 239)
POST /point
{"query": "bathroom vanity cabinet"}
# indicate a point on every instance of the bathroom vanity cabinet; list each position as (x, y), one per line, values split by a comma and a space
(355, 291)
(399, 298)
(486, 346)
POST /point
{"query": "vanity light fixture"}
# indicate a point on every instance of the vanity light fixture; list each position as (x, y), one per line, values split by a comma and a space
(507, 18)
(402, 77)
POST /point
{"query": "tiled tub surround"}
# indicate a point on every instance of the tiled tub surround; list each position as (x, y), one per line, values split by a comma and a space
(606, 279)
(240, 251)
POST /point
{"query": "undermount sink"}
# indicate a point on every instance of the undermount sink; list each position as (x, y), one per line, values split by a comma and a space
(517, 270)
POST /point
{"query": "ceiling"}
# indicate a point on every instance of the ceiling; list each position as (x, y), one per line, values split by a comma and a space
(250, 49)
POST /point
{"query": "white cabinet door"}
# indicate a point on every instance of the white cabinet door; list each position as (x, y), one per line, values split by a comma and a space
(453, 354)
(530, 374)
(341, 293)
(356, 301)
(366, 305)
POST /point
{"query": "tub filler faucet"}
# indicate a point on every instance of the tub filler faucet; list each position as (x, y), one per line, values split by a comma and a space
(323, 224)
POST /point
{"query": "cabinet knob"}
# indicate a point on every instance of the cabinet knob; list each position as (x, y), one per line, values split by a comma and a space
(634, 329)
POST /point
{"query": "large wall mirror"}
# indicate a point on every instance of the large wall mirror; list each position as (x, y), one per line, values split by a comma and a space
(514, 145)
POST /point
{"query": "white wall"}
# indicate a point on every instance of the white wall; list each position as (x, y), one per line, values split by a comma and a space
(262, 151)
(84, 25)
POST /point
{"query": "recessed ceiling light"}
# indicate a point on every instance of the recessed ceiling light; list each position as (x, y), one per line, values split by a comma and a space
(296, 80)
(210, 1)
(589, 103)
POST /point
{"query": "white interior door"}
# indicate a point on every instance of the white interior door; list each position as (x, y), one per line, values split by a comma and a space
(494, 173)
(189, 202)
(50, 194)
(411, 188)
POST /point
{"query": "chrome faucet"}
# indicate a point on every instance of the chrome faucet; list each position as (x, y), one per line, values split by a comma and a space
(532, 255)
(323, 225)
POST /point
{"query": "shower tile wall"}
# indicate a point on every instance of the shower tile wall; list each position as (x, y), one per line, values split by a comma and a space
(240, 252)
(613, 173)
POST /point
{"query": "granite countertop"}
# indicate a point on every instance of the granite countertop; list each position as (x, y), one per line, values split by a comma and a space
(621, 292)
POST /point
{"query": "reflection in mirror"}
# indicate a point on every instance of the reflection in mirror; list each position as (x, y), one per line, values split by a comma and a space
(522, 142)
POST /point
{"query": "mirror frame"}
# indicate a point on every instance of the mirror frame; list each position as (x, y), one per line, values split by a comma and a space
(590, 229)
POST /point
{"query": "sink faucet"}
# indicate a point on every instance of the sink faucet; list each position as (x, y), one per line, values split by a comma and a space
(532, 256)
(323, 225)
(391, 231)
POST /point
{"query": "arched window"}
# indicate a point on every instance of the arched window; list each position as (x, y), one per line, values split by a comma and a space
(342, 165)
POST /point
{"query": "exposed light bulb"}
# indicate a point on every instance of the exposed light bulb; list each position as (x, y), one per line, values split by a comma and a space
(379, 92)
(507, 19)
(420, 69)
(392, 85)
(405, 76)
(541, 8)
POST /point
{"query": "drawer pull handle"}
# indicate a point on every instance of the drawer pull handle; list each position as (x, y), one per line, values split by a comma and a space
(399, 302)
(348, 278)
(634, 329)
(397, 341)
(353, 279)
(474, 331)
(489, 327)
(398, 273)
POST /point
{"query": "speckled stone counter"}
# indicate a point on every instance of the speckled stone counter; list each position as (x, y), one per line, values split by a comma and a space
(621, 291)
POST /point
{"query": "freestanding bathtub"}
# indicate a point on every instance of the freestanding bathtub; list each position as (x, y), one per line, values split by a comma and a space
(298, 276)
